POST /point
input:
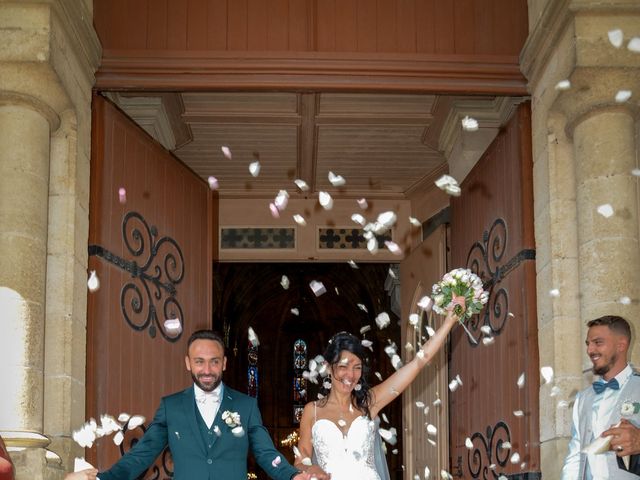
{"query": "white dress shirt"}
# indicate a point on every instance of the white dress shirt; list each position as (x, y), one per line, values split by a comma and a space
(208, 403)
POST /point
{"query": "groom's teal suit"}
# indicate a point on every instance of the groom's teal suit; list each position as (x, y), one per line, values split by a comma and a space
(198, 452)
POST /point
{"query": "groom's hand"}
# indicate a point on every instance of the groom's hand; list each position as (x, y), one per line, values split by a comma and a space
(625, 438)
(314, 472)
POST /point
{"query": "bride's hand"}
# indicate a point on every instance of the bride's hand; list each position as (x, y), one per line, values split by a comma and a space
(89, 474)
(316, 472)
(456, 300)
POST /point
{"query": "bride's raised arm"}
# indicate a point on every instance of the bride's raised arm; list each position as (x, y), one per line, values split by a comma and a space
(385, 392)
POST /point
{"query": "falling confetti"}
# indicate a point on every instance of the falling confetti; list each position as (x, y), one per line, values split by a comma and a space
(414, 318)
(281, 200)
(237, 431)
(431, 429)
(387, 219)
(295, 311)
(389, 436)
(253, 338)
(605, 210)
(301, 184)
(437, 402)
(254, 168)
(318, 288)
(359, 219)
(362, 203)
(325, 200)
(563, 85)
(353, 264)
(625, 300)
(118, 438)
(383, 320)
(173, 326)
(284, 282)
(634, 45)
(547, 374)
(135, 421)
(367, 344)
(378, 375)
(365, 329)
(505, 445)
(518, 413)
(415, 222)
(426, 303)
(469, 124)
(216, 430)
(635, 172)
(515, 458)
(275, 213)
(555, 391)
(94, 282)
(488, 340)
(468, 443)
(362, 307)
(554, 292)
(393, 247)
(449, 185)
(616, 37)
(520, 381)
(623, 95)
(392, 274)
(122, 195)
(276, 461)
(299, 219)
(336, 180)
(372, 245)
(419, 404)
(444, 475)
(213, 183)
(80, 464)
(226, 151)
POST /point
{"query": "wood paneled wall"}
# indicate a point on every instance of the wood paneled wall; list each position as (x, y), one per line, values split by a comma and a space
(500, 186)
(419, 45)
(127, 370)
(486, 27)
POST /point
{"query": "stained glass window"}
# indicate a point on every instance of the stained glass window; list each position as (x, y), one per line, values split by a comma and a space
(299, 382)
(252, 370)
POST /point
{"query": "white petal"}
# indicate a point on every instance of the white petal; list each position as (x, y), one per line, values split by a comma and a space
(635, 172)
(372, 245)
(275, 213)
(415, 222)
(393, 247)
(135, 421)
(414, 318)
(253, 338)
(555, 390)
(94, 282)
(408, 347)
(124, 417)
(216, 430)
(518, 413)
(563, 85)
(226, 151)
(554, 292)
(485, 329)
(378, 375)
(515, 458)
(213, 183)
(616, 37)
(238, 431)
(488, 340)
(623, 95)
(362, 307)
(118, 437)
(301, 184)
(362, 203)
(505, 445)
(254, 168)
(426, 303)
(388, 219)
(276, 461)
(365, 329)
(437, 402)
(445, 180)
(367, 343)
(388, 436)
(453, 385)
(427, 473)
(336, 180)
(520, 381)
(342, 423)
(396, 362)
(468, 443)
(306, 461)
(353, 264)
(547, 374)
(325, 200)
(122, 195)
(420, 404)
(430, 331)
(80, 464)
(469, 124)
(453, 190)
(625, 300)
(431, 429)
(281, 200)
(634, 44)
(299, 219)
(173, 326)
(359, 219)
(444, 475)
(284, 281)
(605, 210)
(318, 288)
(383, 320)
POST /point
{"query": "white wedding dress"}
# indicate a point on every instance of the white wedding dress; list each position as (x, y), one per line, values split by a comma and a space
(346, 457)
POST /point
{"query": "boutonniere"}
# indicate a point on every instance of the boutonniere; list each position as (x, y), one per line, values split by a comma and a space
(232, 419)
(629, 408)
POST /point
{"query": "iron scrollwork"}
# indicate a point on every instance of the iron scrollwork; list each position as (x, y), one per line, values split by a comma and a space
(489, 452)
(157, 473)
(484, 259)
(160, 270)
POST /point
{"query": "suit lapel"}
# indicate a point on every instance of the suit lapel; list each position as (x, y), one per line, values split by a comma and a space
(189, 405)
(225, 404)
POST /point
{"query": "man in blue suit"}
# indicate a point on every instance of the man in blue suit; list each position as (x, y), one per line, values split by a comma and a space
(209, 427)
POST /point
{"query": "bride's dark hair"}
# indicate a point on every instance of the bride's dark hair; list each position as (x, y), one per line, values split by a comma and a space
(345, 341)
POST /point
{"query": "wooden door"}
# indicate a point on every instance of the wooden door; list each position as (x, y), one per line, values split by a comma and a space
(151, 221)
(492, 233)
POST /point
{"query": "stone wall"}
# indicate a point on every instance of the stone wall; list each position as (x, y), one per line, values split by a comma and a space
(48, 58)
(584, 150)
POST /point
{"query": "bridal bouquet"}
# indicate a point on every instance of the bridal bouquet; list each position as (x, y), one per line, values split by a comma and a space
(460, 282)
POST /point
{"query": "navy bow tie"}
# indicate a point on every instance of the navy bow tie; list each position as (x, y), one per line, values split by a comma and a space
(600, 387)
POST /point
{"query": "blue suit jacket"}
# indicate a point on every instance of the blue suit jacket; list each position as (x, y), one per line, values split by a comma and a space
(175, 423)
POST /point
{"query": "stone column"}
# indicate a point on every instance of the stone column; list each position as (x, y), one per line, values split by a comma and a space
(605, 151)
(24, 187)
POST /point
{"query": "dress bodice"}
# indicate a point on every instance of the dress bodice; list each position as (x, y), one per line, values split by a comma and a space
(346, 456)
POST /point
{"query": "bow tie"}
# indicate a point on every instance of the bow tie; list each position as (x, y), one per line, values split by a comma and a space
(205, 397)
(600, 387)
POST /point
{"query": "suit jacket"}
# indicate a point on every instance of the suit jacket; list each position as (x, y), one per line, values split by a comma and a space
(582, 435)
(634, 464)
(176, 423)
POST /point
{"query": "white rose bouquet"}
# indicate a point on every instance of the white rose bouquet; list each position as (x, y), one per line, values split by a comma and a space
(460, 282)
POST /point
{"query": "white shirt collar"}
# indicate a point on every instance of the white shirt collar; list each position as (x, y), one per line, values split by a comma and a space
(199, 393)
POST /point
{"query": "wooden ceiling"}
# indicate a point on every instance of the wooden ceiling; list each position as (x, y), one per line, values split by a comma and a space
(382, 144)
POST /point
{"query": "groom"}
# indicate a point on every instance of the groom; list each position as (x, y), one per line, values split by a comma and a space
(209, 427)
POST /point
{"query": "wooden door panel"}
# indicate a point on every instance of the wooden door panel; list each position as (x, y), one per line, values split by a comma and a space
(492, 233)
(159, 228)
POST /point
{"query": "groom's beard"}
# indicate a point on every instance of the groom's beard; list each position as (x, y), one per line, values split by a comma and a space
(209, 386)
(602, 370)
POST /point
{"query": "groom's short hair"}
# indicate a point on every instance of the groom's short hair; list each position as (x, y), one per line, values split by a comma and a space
(206, 335)
(615, 323)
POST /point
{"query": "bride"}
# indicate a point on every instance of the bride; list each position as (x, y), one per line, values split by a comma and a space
(339, 430)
